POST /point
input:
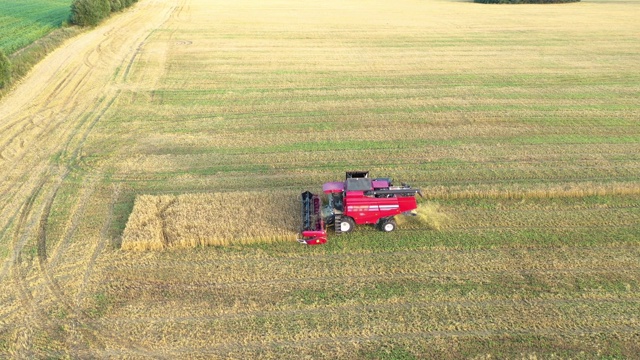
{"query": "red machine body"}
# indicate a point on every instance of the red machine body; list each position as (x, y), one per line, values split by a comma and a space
(357, 200)
(368, 210)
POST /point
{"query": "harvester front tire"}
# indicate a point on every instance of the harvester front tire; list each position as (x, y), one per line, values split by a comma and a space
(388, 225)
(346, 224)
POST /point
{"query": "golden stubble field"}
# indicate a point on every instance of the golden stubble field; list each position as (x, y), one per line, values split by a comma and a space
(518, 122)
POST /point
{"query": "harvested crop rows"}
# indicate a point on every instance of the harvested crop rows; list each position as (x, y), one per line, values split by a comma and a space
(519, 123)
(291, 303)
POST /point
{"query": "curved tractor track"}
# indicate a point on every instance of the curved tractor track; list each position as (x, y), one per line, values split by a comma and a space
(44, 124)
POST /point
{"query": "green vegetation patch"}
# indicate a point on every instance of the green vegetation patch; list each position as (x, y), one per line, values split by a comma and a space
(5, 70)
(92, 12)
(89, 12)
(23, 22)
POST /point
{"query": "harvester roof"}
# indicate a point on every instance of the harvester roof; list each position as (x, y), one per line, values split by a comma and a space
(332, 187)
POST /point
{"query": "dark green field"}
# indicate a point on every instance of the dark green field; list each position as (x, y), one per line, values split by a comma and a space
(22, 22)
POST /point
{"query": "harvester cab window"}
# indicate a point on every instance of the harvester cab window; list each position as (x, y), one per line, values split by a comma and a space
(358, 184)
(336, 201)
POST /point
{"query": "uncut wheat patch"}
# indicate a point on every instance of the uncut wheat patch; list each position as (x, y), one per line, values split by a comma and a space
(191, 220)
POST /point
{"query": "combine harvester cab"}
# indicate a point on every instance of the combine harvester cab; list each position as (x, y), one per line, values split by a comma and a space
(357, 200)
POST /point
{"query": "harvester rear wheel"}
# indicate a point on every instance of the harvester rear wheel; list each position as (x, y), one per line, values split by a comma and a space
(387, 225)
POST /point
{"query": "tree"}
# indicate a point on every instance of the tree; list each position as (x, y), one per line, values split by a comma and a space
(5, 70)
(116, 5)
(89, 12)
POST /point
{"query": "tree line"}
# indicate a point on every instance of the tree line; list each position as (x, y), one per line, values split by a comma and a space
(91, 12)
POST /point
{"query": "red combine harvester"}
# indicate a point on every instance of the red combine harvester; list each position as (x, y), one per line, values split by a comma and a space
(357, 200)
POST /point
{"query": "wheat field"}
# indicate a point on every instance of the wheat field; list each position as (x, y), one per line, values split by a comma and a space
(519, 124)
(191, 220)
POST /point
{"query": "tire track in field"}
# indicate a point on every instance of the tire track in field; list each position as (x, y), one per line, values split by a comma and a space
(49, 128)
(51, 284)
(7, 262)
(431, 257)
(73, 155)
(92, 335)
(358, 308)
(145, 285)
(100, 246)
(34, 317)
(79, 319)
(74, 221)
(173, 13)
(277, 286)
(22, 346)
(64, 145)
(76, 318)
(372, 256)
(77, 78)
(70, 87)
(258, 348)
(74, 79)
(34, 132)
(44, 105)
